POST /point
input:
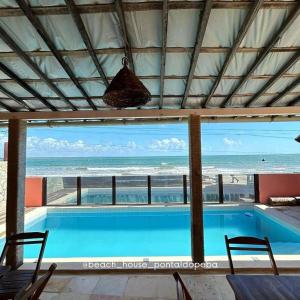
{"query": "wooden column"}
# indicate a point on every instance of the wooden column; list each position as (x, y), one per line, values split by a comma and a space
(197, 238)
(16, 172)
(5, 152)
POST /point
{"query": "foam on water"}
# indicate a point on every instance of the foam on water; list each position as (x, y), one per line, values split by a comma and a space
(162, 165)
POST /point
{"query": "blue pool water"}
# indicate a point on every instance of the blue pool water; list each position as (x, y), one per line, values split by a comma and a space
(153, 232)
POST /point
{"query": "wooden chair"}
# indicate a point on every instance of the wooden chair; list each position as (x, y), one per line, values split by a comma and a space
(36, 289)
(247, 243)
(15, 280)
(182, 291)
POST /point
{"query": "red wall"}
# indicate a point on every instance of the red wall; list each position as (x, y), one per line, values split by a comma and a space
(33, 191)
(278, 185)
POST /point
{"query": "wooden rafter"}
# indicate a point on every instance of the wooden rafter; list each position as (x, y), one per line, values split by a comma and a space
(240, 36)
(294, 101)
(276, 37)
(84, 52)
(144, 6)
(33, 66)
(44, 35)
(277, 76)
(163, 50)
(86, 39)
(123, 27)
(204, 16)
(25, 86)
(287, 90)
(13, 97)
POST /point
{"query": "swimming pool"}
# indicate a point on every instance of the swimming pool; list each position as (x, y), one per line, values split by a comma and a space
(152, 231)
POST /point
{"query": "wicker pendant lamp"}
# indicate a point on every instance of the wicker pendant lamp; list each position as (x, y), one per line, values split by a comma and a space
(126, 90)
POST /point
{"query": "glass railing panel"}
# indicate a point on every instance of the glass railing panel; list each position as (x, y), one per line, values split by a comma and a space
(238, 188)
(131, 190)
(167, 189)
(61, 191)
(210, 188)
(96, 190)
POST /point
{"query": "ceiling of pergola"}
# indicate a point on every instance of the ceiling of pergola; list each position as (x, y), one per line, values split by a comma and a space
(189, 54)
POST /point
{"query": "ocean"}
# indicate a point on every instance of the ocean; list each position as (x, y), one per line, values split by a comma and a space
(162, 165)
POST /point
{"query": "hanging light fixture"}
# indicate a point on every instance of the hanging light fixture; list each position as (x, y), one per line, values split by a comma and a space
(297, 139)
(126, 90)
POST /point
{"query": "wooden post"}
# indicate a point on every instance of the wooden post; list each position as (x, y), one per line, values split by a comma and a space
(221, 188)
(16, 172)
(197, 237)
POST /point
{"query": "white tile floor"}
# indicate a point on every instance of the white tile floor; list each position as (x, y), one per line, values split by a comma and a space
(135, 287)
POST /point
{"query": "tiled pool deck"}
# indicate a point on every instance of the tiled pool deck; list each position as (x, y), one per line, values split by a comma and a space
(135, 287)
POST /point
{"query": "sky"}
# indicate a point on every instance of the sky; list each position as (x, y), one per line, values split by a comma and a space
(164, 139)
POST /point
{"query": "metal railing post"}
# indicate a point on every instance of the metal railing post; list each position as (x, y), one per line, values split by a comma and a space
(221, 189)
(78, 190)
(113, 186)
(149, 189)
(256, 188)
(44, 191)
(185, 195)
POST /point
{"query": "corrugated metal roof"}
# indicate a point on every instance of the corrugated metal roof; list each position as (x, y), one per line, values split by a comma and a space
(144, 25)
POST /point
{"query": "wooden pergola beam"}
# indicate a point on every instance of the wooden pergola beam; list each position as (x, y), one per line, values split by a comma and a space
(84, 52)
(276, 37)
(203, 20)
(163, 50)
(13, 97)
(32, 65)
(156, 77)
(271, 82)
(144, 6)
(196, 96)
(239, 38)
(25, 86)
(127, 45)
(44, 35)
(153, 113)
(285, 92)
(86, 39)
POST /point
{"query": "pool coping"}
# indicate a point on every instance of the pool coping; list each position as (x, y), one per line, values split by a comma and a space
(248, 263)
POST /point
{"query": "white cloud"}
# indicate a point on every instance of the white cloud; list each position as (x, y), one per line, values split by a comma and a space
(56, 147)
(230, 142)
(168, 144)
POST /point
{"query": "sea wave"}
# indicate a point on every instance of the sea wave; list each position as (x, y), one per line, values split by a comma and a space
(161, 166)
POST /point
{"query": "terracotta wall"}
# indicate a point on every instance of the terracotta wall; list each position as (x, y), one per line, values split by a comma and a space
(278, 185)
(34, 192)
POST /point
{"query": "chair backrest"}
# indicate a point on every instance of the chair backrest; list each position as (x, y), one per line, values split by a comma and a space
(26, 238)
(35, 290)
(182, 291)
(248, 243)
